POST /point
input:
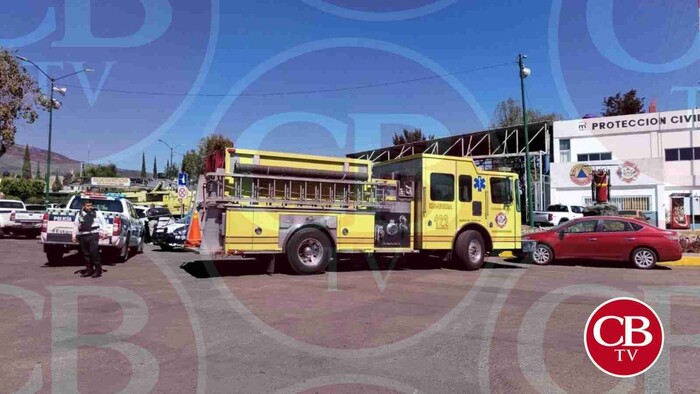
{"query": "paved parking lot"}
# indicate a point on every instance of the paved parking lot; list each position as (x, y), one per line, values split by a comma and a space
(167, 321)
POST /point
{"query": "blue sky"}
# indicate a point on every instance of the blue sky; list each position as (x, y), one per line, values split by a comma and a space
(217, 61)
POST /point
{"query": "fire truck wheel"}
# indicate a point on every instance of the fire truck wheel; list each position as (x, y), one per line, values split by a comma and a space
(309, 251)
(470, 250)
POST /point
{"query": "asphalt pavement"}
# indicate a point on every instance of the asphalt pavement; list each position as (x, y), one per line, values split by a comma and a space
(170, 321)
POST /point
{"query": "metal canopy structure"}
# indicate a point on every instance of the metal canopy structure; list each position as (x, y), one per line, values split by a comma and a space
(497, 149)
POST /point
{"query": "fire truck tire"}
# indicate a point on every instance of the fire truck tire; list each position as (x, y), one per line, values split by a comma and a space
(470, 250)
(309, 251)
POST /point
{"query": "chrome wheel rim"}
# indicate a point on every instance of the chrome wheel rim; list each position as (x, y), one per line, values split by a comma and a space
(644, 258)
(541, 255)
(474, 251)
(310, 252)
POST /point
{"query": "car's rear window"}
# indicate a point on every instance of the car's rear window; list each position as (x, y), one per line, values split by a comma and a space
(11, 205)
(36, 208)
(636, 226)
(557, 208)
(99, 204)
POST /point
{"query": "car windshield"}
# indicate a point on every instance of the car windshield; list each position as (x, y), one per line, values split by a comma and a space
(11, 204)
(36, 208)
(99, 204)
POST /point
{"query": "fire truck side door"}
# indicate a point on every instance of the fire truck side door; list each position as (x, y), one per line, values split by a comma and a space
(502, 217)
(438, 199)
(471, 192)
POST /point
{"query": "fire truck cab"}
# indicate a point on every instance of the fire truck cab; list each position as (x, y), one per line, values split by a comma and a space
(310, 208)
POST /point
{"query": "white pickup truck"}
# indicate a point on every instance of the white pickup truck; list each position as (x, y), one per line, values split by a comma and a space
(125, 233)
(19, 219)
(557, 214)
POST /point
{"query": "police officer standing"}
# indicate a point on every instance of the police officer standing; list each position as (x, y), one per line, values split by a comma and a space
(89, 227)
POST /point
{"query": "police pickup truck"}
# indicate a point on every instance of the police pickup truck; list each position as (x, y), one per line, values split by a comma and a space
(16, 218)
(125, 233)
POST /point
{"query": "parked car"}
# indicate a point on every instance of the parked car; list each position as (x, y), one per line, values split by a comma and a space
(28, 221)
(8, 210)
(634, 214)
(125, 232)
(606, 238)
(557, 214)
(173, 234)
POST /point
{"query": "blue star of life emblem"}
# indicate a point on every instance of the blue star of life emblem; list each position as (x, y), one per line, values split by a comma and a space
(479, 183)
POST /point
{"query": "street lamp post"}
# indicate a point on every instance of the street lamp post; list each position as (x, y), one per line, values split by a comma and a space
(524, 73)
(171, 151)
(52, 104)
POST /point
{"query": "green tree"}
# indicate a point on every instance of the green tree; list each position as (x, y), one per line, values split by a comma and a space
(102, 170)
(627, 104)
(57, 185)
(192, 164)
(26, 164)
(19, 98)
(155, 168)
(509, 113)
(408, 136)
(170, 170)
(38, 171)
(22, 188)
(143, 166)
(212, 143)
(68, 177)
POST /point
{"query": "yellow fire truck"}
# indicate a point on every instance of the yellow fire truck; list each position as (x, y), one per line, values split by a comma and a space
(310, 208)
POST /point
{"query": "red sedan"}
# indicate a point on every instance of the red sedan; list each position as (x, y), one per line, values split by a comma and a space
(606, 238)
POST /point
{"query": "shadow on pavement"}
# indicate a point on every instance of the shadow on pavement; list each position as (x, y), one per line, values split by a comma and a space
(202, 269)
(74, 259)
(600, 264)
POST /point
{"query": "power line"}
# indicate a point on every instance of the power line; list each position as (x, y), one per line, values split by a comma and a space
(298, 92)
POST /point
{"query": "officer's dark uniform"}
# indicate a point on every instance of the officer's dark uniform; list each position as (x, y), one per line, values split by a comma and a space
(88, 239)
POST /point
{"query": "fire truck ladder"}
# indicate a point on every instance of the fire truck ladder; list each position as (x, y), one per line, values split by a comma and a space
(285, 191)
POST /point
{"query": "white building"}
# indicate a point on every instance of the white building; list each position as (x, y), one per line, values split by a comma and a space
(650, 156)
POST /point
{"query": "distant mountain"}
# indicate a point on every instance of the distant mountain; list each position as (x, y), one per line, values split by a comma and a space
(13, 159)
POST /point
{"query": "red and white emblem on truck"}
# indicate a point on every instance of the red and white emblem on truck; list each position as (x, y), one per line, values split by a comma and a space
(501, 220)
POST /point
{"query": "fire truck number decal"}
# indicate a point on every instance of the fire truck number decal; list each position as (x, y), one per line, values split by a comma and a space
(442, 222)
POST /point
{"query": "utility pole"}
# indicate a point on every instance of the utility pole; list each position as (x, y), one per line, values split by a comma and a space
(52, 104)
(524, 73)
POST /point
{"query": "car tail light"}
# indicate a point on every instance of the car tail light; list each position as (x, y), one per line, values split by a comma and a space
(12, 216)
(45, 223)
(117, 226)
(550, 217)
(672, 235)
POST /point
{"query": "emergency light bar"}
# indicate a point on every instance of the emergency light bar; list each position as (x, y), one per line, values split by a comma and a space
(101, 195)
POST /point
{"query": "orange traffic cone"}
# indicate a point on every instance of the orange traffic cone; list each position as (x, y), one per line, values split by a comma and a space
(194, 233)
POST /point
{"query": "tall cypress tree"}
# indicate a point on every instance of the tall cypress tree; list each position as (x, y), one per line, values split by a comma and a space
(143, 165)
(27, 164)
(38, 170)
(155, 168)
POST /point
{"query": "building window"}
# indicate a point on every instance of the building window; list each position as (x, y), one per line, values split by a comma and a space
(595, 156)
(442, 187)
(682, 154)
(565, 151)
(671, 154)
(685, 153)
